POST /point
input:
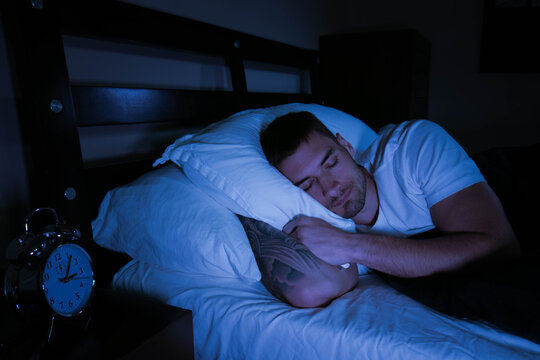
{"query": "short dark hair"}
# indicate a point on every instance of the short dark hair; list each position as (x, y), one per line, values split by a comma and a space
(282, 137)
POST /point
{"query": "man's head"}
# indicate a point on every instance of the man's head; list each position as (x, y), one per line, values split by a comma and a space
(312, 158)
(283, 136)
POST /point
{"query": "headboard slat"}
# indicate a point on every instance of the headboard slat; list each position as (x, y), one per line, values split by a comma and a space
(106, 106)
(189, 108)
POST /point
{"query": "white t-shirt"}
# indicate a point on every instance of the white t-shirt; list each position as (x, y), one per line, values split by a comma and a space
(415, 165)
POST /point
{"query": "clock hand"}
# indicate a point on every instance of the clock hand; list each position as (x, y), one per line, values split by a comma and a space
(80, 277)
(67, 270)
(70, 277)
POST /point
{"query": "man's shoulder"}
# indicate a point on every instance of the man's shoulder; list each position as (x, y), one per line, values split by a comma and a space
(399, 133)
(402, 142)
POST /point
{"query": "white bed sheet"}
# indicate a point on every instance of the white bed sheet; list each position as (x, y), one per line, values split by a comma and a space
(233, 319)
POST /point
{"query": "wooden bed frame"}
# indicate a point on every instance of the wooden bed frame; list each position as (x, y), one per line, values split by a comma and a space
(51, 109)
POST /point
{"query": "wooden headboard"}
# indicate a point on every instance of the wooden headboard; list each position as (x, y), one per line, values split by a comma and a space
(52, 109)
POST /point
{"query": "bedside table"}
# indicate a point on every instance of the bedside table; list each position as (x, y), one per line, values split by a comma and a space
(135, 326)
(122, 325)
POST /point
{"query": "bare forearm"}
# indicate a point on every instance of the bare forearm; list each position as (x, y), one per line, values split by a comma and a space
(472, 221)
(413, 258)
(291, 272)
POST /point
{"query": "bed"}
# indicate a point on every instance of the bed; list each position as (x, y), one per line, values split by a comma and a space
(132, 210)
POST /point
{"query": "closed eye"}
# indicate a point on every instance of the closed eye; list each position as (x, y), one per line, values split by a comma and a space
(333, 162)
(306, 185)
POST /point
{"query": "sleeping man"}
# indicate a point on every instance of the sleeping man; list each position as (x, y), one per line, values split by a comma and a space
(412, 179)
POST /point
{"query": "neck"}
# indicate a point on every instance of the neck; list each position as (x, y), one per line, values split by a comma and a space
(370, 211)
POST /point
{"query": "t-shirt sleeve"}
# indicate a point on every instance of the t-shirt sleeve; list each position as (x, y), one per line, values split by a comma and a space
(436, 164)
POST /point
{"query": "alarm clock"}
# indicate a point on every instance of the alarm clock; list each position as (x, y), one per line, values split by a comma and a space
(48, 273)
(67, 279)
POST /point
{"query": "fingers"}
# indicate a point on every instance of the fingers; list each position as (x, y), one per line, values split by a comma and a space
(289, 227)
(297, 221)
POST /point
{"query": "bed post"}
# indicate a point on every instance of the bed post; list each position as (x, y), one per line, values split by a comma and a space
(238, 74)
(45, 108)
(314, 77)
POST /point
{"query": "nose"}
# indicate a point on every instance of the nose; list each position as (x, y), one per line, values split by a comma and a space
(329, 187)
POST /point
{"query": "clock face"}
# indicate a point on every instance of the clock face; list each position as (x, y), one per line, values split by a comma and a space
(67, 279)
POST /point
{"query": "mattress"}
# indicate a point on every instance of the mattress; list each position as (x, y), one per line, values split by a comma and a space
(235, 319)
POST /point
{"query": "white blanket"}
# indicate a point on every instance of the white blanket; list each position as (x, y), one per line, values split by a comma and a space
(233, 319)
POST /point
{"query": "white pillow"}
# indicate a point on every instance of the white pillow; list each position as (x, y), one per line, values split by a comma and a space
(226, 159)
(163, 219)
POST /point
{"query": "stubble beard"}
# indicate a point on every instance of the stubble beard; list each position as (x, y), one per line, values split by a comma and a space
(357, 200)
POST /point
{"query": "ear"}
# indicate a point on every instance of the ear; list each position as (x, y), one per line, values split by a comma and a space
(347, 145)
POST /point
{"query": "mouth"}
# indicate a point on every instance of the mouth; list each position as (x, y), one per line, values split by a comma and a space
(343, 199)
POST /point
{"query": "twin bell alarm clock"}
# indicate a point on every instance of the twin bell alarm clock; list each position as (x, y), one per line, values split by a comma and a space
(49, 272)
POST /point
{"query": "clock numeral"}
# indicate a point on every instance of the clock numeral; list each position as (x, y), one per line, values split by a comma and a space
(75, 262)
(70, 304)
(49, 265)
(46, 277)
(57, 257)
(61, 303)
(81, 271)
(46, 290)
(81, 284)
(51, 300)
(77, 296)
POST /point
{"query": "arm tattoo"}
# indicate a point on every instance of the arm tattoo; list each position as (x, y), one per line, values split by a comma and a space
(282, 260)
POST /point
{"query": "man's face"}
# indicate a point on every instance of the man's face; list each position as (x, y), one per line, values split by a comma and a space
(324, 168)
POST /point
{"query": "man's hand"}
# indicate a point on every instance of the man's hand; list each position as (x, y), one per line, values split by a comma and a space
(324, 240)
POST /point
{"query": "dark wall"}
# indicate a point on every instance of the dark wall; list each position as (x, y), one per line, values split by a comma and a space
(481, 110)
